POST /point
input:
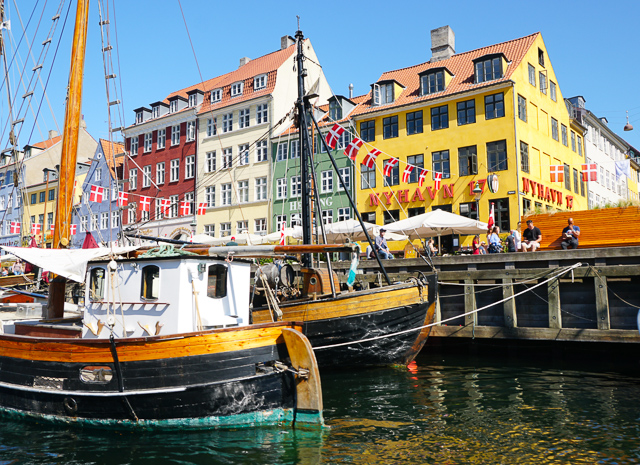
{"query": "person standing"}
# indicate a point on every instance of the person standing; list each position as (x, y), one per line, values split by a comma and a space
(570, 236)
(495, 244)
(511, 241)
(475, 245)
(381, 246)
(532, 237)
(518, 238)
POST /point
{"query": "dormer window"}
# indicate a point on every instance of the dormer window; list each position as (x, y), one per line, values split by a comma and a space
(139, 117)
(236, 88)
(335, 110)
(216, 95)
(383, 93)
(540, 57)
(432, 82)
(488, 69)
(193, 100)
(260, 82)
(173, 107)
(156, 111)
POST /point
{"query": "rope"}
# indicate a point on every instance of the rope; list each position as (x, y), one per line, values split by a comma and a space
(560, 273)
(591, 267)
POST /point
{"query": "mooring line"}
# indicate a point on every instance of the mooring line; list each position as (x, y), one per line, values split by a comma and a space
(560, 273)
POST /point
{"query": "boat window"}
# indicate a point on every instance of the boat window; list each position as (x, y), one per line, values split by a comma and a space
(150, 282)
(96, 283)
(96, 374)
(217, 283)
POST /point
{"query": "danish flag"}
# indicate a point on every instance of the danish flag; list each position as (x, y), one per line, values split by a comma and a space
(437, 177)
(145, 203)
(557, 173)
(407, 173)
(334, 134)
(35, 228)
(123, 199)
(72, 229)
(370, 160)
(282, 233)
(165, 205)
(202, 208)
(353, 148)
(185, 208)
(422, 177)
(590, 172)
(15, 227)
(53, 227)
(389, 165)
(492, 217)
(97, 194)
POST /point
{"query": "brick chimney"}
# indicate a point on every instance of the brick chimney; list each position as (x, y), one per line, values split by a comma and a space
(244, 61)
(443, 43)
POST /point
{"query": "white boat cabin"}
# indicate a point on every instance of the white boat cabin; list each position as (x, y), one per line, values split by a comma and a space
(161, 296)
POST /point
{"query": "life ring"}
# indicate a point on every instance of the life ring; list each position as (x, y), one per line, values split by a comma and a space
(70, 405)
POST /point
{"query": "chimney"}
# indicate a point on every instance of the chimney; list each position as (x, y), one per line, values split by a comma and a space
(244, 61)
(286, 42)
(350, 91)
(443, 43)
(53, 133)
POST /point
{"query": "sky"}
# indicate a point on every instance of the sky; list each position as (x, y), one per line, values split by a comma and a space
(592, 46)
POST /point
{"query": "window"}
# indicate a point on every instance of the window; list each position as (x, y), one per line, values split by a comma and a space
(94, 221)
(216, 95)
(335, 110)
(552, 90)
(212, 127)
(522, 108)
(524, 157)
(150, 282)
(191, 131)
(227, 122)
(345, 174)
(466, 112)
(327, 216)
(50, 218)
(133, 179)
(226, 194)
(580, 146)
(210, 162)
(41, 196)
(147, 142)
(189, 166)
(432, 82)
(414, 123)
(173, 206)
(494, 106)
(390, 127)
(394, 178)
(174, 173)
(83, 223)
(260, 226)
(468, 160)
(134, 146)
(243, 191)
(554, 129)
(440, 163)
(173, 106)
(261, 189)
(469, 210)
(96, 284)
(418, 162)
(155, 111)
(563, 131)
(488, 70)
(391, 216)
(193, 100)
(543, 82)
(162, 138)
(144, 216)
(573, 141)
(262, 114)
(227, 157)
(146, 176)
(261, 151)
(532, 75)
(52, 196)
(296, 186)
(243, 151)
(175, 134)
(502, 213)
(210, 230)
(210, 196)
(344, 214)
(540, 57)
(368, 177)
(104, 220)
(281, 220)
(576, 184)
(282, 152)
(382, 94)
(368, 131)
(160, 173)
(160, 211)
(243, 118)
(440, 117)
(497, 156)
(242, 226)
(225, 229)
(139, 117)
(237, 88)
(281, 188)
(369, 217)
(327, 182)
(260, 82)
(295, 149)
(567, 178)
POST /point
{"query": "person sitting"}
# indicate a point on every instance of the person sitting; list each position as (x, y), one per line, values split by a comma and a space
(495, 244)
(232, 242)
(381, 246)
(483, 248)
(432, 251)
(570, 236)
(17, 267)
(511, 241)
(5, 272)
(531, 237)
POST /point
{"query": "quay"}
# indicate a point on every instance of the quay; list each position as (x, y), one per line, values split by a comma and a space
(597, 301)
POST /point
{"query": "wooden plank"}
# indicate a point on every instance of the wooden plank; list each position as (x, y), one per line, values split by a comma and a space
(602, 302)
(549, 334)
(470, 302)
(553, 292)
(308, 389)
(510, 318)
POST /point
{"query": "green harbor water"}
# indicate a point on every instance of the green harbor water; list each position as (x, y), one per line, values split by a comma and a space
(530, 406)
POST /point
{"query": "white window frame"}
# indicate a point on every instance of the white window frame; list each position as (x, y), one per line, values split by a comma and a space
(173, 106)
(193, 100)
(162, 138)
(189, 166)
(210, 230)
(294, 151)
(227, 158)
(262, 114)
(133, 179)
(174, 173)
(148, 138)
(94, 222)
(146, 176)
(191, 131)
(226, 194)
(282, 151)
(98, 175)
(216, 95)
(237, 88)
(326, 185)
(260, 226)
(280, 219)
(210, 162)
(345, 174)
(327, 216)
(227, 122)
(190, 198)
(243, 191)
(262, 151)
(210, 196)
(260, 82)
(244, 118)
(160, 173)
(260, 188)
(134, 146)
(242, 226)
(212, 124)
(173, 206)
(281, 188)
(344, 213)
(175, 134)
(296, 186)
(243, 154)
(115, 219)
(225, 229)
(84, 222)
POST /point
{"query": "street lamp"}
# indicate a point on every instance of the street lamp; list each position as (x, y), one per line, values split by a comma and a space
(477, 193)
(628, 127)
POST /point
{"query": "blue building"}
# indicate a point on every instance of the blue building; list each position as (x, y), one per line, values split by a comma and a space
(11, 191)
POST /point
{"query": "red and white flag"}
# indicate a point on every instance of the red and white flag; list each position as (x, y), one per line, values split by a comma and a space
(15, 227)
(185, 208)
(334, 134)
(35, 228)
(202, 208)
(437, 177)
(165, 205)
(282, 233)
(557, 173)
(72, 229)
(53, 227)
(370, 160)
(590, 172)
(145, 203)
(407, 173)
(422, 177)
(123, 199)
(389, 165)
(353, 148)
(492, 217)
(97, 194)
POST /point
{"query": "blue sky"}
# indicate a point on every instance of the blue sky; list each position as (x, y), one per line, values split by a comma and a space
(592, 45)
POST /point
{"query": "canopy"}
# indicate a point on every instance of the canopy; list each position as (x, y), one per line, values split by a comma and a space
(240, 239)
(351, 229)
(70, 263)
(437, 223)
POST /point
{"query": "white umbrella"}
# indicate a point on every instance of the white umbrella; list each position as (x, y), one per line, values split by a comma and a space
(241, 239)
(295, 232)
(437, 223)
(352, 230)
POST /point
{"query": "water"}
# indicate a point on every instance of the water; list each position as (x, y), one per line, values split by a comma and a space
(448, 408)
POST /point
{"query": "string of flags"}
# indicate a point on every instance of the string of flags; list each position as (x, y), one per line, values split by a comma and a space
(589, 171)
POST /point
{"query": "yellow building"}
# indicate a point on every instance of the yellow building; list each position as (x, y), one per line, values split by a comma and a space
(497, 110)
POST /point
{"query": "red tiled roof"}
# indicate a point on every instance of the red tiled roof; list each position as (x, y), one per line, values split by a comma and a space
(325, 121)
(45, 144)
(460, 65)
(111, 151)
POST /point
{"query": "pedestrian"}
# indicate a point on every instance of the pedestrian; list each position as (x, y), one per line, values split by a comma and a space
(511, 241)
(570, 235)
(495, 244)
